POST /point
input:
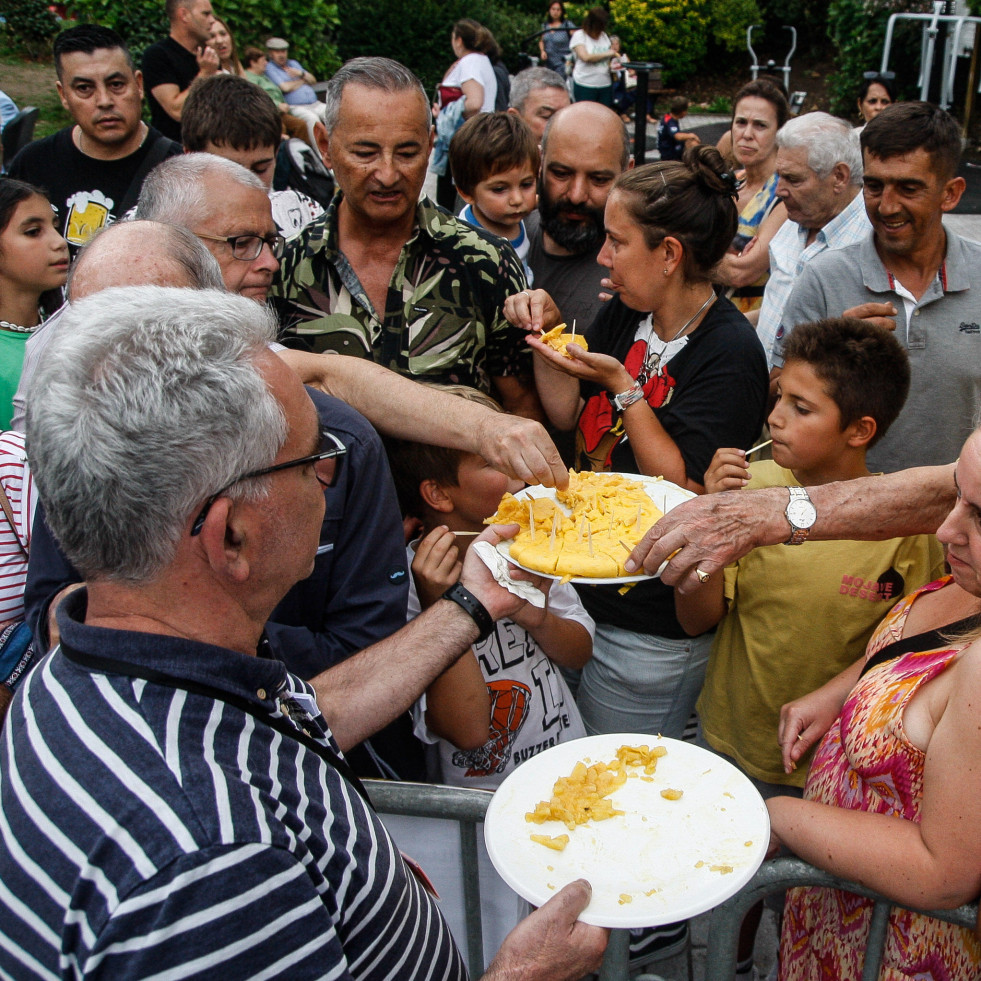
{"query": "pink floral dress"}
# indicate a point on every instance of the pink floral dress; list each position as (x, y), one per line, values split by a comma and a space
(866, 763)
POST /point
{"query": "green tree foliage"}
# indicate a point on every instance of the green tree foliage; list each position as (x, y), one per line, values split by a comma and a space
(810, 17)
(418, 34)
(858, 30)
(30, 25)
(679, 33)
(309, 25)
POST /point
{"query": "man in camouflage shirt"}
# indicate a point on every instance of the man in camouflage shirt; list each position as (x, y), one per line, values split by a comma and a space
(387, 276)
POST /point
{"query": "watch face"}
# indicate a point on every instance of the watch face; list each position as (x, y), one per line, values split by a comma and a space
(801, 514)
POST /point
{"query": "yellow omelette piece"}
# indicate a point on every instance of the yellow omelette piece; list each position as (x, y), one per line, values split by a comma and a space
(557, 339)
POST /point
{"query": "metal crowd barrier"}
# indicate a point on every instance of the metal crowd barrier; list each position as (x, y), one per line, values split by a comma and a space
(785, 873)
(468, 807)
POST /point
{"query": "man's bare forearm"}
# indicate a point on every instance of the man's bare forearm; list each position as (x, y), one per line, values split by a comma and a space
(398, 406)
(910, 502)
(709, 532)
(369, 689)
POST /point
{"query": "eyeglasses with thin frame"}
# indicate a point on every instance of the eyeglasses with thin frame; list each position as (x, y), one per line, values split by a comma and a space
(248, 247)
(331, 448)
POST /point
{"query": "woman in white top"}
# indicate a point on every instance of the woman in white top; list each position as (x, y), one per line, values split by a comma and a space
(591, 80)
(472, 71)
(472, 75)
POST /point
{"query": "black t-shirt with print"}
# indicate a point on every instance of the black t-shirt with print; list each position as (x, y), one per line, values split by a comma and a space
(712, 393)
(87, 193)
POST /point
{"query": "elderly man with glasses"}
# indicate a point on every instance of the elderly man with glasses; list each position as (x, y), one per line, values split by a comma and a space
(184, 794)
(357, 592)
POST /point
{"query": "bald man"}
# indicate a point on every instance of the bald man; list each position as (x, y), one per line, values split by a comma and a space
(584, 149)
(134, 253)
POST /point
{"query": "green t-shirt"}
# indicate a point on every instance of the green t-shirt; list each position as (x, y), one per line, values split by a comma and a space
(11, 362)
(269, 87)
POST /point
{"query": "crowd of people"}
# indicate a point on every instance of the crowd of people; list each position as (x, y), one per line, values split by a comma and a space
(263, 434)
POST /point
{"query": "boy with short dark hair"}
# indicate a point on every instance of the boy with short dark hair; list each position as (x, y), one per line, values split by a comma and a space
(671, 141)
(793, 618)
(232, 118)
(494, 159)
(798, 616)
(504, 701)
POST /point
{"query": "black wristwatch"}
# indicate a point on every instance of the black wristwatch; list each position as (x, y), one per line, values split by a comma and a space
(459, 594)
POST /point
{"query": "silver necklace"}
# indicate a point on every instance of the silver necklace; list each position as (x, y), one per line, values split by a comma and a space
(652, 359)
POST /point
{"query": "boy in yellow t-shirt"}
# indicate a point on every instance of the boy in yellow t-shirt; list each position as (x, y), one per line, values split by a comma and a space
(794, 617)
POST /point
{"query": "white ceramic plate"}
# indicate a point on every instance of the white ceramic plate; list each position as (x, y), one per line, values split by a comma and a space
(663, 493)
(662, 845)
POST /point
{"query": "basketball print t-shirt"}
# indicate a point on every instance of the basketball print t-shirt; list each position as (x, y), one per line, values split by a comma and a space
(532, 708)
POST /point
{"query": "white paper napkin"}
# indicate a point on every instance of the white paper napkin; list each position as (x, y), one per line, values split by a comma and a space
(501, 571)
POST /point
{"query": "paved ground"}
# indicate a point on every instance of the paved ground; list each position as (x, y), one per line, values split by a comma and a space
(676, 968)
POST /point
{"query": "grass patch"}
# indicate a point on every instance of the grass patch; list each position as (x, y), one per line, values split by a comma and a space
(31, 83)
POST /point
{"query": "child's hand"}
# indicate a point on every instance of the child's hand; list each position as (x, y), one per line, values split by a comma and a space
(727, 471)
(436, 565)
(530, 616)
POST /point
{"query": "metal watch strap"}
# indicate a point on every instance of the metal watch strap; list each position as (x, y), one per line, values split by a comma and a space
(459, 594)
(799, 533)
(633, 394)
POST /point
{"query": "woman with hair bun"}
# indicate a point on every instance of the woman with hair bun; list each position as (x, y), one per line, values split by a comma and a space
(472, 72)
(672, 372)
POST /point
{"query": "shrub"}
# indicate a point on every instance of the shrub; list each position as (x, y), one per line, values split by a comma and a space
(30, 25)
(418, 35)
(677, 33)
(309, 25)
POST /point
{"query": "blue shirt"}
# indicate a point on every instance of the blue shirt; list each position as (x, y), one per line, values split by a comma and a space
(154, 828)
(8, 109)
(303, 95)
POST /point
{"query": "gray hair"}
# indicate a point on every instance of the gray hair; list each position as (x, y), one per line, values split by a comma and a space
(374, 73)
(530, 80)
(197, 267)
(827, 140)
(150, 403)
(174, 191)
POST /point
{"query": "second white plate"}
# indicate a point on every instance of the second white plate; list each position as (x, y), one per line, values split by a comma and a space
(661, 861)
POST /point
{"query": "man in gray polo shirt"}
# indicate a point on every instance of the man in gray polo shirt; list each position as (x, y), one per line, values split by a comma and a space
(912, 275)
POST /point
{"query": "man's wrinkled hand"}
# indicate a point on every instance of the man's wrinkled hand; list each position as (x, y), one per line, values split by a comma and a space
(551, 944)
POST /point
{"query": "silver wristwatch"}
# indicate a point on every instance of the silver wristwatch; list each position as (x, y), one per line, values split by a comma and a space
(633, 394)
(801, 514)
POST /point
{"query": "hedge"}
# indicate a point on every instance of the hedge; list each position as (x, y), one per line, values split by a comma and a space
(309, 25)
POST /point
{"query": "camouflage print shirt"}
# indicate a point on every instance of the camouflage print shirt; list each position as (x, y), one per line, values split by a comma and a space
(444, 319)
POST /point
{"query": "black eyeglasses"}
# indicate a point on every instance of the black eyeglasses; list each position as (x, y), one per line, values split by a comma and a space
(888, 76)
(331, 448)
(248, 247)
